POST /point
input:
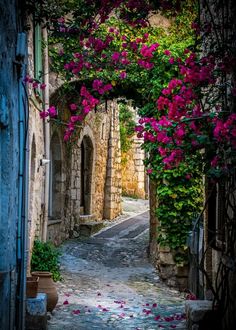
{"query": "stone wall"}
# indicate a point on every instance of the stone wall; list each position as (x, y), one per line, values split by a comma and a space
(92, 187)
(36, 153)
(112, 202)
(133, 170)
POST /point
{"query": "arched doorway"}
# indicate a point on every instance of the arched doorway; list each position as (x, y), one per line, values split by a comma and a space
(86, 170)
(55, 195)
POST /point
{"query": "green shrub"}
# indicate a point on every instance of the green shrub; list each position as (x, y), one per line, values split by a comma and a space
(45, 257)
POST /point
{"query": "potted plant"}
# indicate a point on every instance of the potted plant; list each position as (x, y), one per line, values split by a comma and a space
(45, 265)
(32, 286)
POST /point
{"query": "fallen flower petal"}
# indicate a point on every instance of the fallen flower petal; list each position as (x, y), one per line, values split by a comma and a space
(105, 310)
(77, 311)
(66, 302)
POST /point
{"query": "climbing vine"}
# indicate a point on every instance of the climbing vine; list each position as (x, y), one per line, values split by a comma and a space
(121, 54)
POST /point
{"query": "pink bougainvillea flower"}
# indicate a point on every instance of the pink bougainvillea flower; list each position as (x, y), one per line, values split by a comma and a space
(149, 171)
(167, 52)
(66, 302)
(154, 305)
(122, 315)
(76, 312)
(35, 84)
(43, 114)
(52, 111)
(123, 75)
(42, 86)
(73, 106)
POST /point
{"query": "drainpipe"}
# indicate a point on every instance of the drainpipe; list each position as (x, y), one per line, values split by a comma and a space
(22, 180)
(46, 135)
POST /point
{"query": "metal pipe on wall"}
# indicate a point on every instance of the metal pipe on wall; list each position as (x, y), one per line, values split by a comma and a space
(22, 232)
(46, 136)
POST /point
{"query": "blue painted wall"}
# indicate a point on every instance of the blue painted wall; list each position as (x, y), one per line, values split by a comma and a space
(12, 195)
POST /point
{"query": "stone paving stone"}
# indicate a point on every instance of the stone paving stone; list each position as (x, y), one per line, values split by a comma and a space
(109, 284)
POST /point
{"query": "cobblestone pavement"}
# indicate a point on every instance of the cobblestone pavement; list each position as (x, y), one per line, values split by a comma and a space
(110, 284)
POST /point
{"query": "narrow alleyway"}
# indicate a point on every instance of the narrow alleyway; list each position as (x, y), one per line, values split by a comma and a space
(110, 284)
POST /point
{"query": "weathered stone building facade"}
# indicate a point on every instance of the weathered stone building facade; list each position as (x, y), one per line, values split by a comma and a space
(85, 182)
(71, 183)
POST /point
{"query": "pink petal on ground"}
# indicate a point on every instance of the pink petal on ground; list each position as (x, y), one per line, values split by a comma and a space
(99, 306)
(154, 305)
(156, 318)
(66, 302)
(67, 294)
(105, 310)
(121, 306)
(147, 304)
(77, 311)
(148, 311)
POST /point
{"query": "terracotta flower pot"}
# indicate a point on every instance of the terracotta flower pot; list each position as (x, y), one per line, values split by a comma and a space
(32, 286)
(46, 285)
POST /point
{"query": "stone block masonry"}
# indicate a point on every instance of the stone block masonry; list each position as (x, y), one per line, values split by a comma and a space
(36, 312)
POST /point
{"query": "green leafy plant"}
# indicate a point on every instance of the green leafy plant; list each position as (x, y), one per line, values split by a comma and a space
(45, 257)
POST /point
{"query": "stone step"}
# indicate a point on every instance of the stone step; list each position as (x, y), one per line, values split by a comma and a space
(84, 218)
(89, 228)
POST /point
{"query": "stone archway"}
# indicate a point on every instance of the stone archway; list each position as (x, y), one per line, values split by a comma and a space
(86, 170)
